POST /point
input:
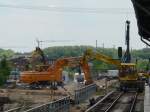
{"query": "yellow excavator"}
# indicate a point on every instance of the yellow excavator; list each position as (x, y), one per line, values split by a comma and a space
(128, 76)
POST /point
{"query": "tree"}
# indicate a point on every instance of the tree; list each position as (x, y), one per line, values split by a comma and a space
(4, 70)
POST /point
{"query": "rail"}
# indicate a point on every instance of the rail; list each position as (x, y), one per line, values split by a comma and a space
(18, 109)
(113, 100)
(133, 103)
(113, 103)
(14, 109)
(93, 108)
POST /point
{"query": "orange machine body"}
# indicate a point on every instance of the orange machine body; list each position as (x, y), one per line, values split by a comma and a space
(54, 72)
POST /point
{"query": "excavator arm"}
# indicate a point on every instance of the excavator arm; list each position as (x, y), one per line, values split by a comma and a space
(58, 66)
(71, 62)
(86, 70)
(89, 54)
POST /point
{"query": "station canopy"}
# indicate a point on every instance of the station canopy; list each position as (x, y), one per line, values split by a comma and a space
(142, 11)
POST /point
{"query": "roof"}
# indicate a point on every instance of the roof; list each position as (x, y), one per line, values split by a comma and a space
(142, 11)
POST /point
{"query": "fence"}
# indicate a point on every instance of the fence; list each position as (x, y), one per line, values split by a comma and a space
(62, 105)
(83, 93)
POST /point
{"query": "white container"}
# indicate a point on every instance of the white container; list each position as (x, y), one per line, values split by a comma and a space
(65, 77)
(78, 77)
(113, 73)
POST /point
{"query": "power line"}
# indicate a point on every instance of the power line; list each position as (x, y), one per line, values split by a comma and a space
(72, 9)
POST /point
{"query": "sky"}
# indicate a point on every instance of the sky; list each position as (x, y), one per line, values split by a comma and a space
(67, 22)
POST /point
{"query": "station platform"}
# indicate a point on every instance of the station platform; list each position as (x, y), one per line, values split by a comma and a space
(147, 99)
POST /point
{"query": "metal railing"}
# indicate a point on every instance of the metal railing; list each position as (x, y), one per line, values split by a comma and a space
(84, 93)
(62, 105)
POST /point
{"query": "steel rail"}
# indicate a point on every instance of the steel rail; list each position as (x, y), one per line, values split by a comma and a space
(113, 103)
(102, 100)
(134, 102)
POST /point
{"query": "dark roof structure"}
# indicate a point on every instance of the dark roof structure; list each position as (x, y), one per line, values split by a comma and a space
(142, 11)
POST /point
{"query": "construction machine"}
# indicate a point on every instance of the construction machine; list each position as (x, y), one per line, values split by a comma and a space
(38, 52)
(38, 59)
(53, 74)
(128, 76)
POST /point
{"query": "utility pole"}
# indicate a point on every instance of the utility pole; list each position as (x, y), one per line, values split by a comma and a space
(96, 44)
(38, 42)
(103, 46)
(114, 50)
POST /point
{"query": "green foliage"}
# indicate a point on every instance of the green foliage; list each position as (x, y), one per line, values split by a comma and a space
(65, 51)
(7, 53)
(141, 54)
(4, 70)
(142, 64)
(71, 51)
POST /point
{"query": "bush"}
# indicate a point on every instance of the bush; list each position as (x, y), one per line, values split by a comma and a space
(4, 70)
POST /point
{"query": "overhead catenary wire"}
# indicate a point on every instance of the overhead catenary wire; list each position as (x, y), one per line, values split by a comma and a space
(71, 9)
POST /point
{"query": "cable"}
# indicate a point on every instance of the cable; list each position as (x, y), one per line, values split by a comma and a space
(71, 9)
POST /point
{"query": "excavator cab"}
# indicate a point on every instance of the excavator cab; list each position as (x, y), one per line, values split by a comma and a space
(129, 78)
(128, 71)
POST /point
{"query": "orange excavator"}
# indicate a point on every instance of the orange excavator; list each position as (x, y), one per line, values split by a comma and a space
(52, 75)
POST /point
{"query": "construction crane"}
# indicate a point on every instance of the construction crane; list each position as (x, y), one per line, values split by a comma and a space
(53, 74)
(39, 42)
(38, 57)
(128, 76)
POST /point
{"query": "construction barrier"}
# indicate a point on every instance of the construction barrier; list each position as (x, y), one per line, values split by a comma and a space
(62, 105)
(84, 93)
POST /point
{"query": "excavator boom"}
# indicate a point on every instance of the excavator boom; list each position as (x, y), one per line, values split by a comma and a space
(98, 56)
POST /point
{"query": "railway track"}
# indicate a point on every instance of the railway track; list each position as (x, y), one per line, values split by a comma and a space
(19, 109)
(116, 102)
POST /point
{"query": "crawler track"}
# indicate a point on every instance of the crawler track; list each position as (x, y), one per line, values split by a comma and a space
(116, 101)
